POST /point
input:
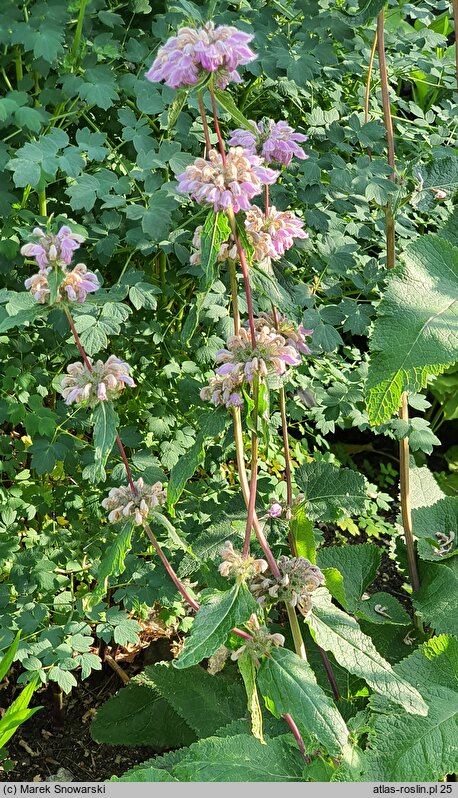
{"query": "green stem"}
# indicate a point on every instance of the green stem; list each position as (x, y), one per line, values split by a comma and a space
(18, 65)
(203, 116)
(79, 29)
(42, 208)
(296, 632)
(405, 497)
(253, 468)
(234, 295)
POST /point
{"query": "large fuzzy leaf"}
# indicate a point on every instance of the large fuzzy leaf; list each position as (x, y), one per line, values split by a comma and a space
(357, 564)
(437, 600)
(205, 703)
(339, 633)
(290, 684)
(218, 613)
(441, 174)
(138, 715)
(240, 758)
(416, 331)
(330, 490)
(406, 748)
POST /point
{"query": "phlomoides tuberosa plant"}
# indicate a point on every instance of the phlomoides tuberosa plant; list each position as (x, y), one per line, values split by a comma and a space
(254, 593)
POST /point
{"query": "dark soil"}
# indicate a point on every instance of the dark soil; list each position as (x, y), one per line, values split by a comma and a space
(54, 738)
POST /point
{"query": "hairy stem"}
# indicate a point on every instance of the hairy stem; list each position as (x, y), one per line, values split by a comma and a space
(405, 498)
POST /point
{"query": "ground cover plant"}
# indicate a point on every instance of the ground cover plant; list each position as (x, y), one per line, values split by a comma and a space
(229, 331)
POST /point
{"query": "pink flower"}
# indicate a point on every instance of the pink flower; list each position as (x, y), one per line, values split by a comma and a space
(240, 363)
(184, 58)
(274, 234)
(77, 284)
(106, 381)
(229, 185)
(37, 284)
(295, 336)
(275, 510)
(53, 250)
(275, 141)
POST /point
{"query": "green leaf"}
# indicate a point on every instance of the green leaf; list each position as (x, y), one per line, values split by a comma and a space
(441, 174)
(105, 420)
(143, 295)
(437, 599)
(126, 632)
(215, 231)
(183, 470)
(138, 715)
(219, 612)
(358, 565)
(339, 633)
(331, 491)
(112, 562)
(248, 672)
(17, 713)
(25, 173)
(7, 658)
(240, 758)
(64, 679)
(149, 774)
(368, 9)
(382, 608)
(416, 331)
(206, 703)
(46, 454)
(290, 684)
(301, 529)
(413, 749)
(226, 102)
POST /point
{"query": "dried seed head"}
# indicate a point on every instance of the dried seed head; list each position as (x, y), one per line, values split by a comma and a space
(298, 580)
(236, 566)
(123, 503)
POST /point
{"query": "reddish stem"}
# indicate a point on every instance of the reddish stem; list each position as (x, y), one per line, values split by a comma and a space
(297, 735)
(77, 340)
(126, 465)
(179, 586)
(217, 128)
(266, 200)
